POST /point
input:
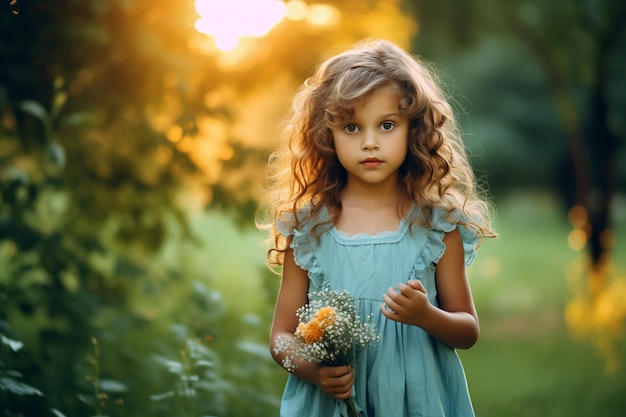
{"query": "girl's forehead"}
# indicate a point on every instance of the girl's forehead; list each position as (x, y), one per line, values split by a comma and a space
(389, 88)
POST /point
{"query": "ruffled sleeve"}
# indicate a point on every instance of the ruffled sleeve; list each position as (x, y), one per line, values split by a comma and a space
(443, 223)
(303, 244)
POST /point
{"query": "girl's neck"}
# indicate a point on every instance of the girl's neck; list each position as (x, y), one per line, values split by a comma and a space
(372, 196)
(364, 211)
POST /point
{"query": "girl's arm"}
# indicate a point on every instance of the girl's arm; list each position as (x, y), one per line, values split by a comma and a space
(334, 381)
(455, 321)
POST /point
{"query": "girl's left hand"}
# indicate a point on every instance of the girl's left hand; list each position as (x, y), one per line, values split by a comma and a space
(408, 304)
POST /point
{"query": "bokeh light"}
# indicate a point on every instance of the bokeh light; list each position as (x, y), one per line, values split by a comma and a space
(229, 22)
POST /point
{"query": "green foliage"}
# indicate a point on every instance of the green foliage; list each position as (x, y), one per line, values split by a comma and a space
(89, 194)
(546, 76)
(117, 130)
(101, 387)
(528, 71)
(198, 382)
(527, 362)
(10, 379)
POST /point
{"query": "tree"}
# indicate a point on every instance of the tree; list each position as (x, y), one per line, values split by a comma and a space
(579, 46)
(579, 49)
(118, 122)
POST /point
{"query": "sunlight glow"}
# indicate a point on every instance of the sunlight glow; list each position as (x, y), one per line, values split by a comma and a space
(297, 10)
(577, 239)
(322, 15)
(227, 22)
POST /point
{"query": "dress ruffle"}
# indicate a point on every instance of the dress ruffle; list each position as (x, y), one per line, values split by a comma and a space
(304, 245)
(443, 223)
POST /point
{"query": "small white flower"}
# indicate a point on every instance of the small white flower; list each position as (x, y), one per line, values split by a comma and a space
(341, 340)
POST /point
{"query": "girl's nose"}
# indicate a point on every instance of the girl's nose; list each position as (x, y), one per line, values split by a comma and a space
(369, 141)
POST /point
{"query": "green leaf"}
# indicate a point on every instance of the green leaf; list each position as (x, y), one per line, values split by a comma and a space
(87, 399)
(15, 345)
(112, 386)
(56, 154)
(255, 349)
(190, 378)
(204, 364)
(173, 366)
(17, 387)
(35, 109)
(161, 397)
(57, 413)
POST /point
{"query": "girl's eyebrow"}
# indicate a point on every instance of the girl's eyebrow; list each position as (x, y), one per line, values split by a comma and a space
(382, 116)
(394, 114)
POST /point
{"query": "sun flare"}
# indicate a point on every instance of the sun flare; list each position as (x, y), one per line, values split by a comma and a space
(229, 21)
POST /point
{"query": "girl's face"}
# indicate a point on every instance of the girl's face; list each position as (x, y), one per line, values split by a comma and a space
(372, 144)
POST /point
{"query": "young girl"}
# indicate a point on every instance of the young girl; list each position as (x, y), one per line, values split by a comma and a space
(372, 193)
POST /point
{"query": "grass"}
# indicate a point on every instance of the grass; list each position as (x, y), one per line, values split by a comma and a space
(541, 375)
(526, 363)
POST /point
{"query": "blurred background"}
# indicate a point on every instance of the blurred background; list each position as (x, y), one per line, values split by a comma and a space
(133, 140)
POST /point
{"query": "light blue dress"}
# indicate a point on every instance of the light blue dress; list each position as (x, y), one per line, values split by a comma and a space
(409, 373)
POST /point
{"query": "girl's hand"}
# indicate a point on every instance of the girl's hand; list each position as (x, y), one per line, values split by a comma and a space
(453, 321)
(336, 381)
(408, 304)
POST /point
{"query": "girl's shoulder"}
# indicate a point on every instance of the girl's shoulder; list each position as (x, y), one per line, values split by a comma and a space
(441, 220)
(303, 221)
(305, 227)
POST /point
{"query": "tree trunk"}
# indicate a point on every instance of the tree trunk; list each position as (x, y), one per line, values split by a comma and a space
(602, 143)
(592, 146)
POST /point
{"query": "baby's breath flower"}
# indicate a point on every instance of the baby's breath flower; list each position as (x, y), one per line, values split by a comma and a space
(329, 331)
(314, 330)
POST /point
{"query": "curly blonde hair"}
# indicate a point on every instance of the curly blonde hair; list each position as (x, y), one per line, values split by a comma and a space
(305, 172)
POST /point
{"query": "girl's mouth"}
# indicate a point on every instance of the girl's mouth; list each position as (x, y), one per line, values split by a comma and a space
(371, 162)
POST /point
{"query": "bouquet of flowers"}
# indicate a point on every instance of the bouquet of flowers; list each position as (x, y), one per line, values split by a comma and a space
(329, 332)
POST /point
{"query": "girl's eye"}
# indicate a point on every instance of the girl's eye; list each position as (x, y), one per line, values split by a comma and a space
(386, 126)
(351, 128)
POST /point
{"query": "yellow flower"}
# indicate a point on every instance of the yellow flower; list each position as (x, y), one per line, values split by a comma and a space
(314, 330)
(326, 316)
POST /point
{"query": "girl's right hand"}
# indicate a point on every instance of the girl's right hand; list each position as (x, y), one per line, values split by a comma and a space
(336, 381)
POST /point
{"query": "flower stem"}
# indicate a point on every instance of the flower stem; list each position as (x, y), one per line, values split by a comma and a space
(352, 409)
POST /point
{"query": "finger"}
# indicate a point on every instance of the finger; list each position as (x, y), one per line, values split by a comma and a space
(395, 294)
(392, 291)
(397, 300)
(336, 371)
(416, 284)
(386, 311)
(390, 302)
(335, 377)
(344, 395)
(338, 387)
(400, 287)
(405, 289)
(345, 390)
